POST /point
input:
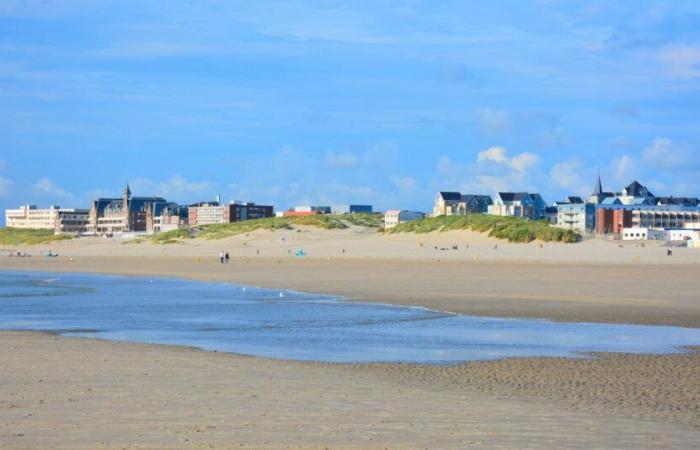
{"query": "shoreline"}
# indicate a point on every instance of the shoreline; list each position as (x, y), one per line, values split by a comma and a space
(579, 292)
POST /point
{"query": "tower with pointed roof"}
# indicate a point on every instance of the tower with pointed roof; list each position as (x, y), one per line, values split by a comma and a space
(598, 187)
(598, 194)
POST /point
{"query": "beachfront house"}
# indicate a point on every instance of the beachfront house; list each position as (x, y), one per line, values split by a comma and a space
(393, 218)
(458, 204)
(519, 204)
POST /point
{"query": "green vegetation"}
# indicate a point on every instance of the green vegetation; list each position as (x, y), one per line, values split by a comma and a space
(29, 236)
(512, 229)
(365, 220)
(323, 221)
(133, 241)
(171, 237)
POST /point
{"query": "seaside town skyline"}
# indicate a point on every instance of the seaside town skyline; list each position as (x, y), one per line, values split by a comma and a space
(632, 213)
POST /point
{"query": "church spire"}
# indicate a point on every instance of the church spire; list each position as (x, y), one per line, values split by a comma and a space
(598, 186)
(127, 191)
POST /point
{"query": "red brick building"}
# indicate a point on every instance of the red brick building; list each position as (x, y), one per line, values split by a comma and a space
(612, 221)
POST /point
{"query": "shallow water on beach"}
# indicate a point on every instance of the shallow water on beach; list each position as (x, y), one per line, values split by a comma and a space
(292, 325)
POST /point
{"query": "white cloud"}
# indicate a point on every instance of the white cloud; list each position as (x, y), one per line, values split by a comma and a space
(405, 185)
(568, 175)
(448, 168)
(5, 187)
(663, 154)
(503, 172)
(341, 160)
(177, 185)
(46, 186)
(499, 155)
(624, 168)
(680, 61)
(495, 154)
(176, 188)
(492, 120)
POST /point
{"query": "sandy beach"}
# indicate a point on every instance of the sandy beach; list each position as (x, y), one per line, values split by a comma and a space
(72, 393)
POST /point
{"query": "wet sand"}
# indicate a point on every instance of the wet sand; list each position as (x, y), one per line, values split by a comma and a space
(58, 392)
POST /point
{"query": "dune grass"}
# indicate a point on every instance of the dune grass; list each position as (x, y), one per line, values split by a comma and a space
(29, 236)
(368, 220)
(511, 229)
(322, 221)
(171, 237)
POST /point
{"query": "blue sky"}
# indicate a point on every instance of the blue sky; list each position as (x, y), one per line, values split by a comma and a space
(381, 102)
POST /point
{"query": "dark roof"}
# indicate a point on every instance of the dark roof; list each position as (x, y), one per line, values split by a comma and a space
(199, 204)
(574, 200)
(513, 196)
(478, 198)
(451, 196)
(140, 203)
(636, 189)
(682, 201)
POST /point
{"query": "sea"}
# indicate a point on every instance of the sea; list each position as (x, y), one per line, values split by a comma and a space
(291, 325)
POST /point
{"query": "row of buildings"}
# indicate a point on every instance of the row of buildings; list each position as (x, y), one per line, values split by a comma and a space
(634, 212)
(150, 215)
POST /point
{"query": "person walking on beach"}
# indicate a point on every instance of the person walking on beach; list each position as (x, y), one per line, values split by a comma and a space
(221, 256)
(227, 258)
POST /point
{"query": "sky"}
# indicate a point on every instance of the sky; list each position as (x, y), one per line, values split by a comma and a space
(329, 102)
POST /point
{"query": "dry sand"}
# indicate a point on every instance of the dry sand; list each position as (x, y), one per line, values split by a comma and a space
(122, 394)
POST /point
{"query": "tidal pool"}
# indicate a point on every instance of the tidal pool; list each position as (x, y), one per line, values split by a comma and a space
(299, 326)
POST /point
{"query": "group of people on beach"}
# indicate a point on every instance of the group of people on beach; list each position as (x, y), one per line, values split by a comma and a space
(19, 255)
(224, 257)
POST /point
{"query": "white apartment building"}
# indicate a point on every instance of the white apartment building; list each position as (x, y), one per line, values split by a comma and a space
(395, 217)
(208, 214)
(575, 215)
(51, 218)
(659, 234)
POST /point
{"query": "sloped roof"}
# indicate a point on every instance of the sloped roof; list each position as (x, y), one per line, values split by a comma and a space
(611, 201)
(451, 196)
(513, 196)
(478, 198)
(636, 189)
